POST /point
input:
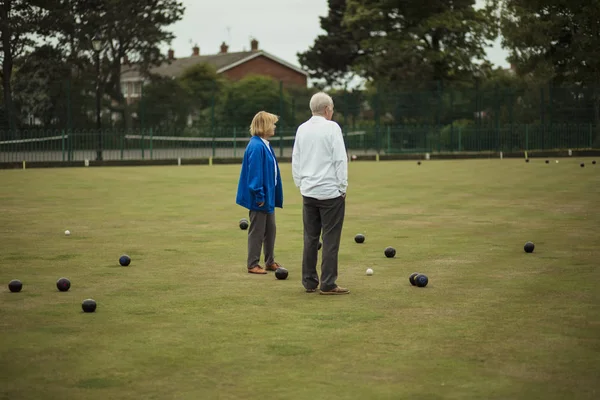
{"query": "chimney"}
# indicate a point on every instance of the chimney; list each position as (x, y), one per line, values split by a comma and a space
(171, 54)
(224, 48)
(196, 50)
(254, 45)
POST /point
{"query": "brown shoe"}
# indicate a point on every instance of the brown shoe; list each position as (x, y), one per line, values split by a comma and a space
(272, 267)
(337, 290)
(257, 269)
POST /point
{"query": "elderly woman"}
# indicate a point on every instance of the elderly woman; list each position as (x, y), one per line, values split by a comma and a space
(260, 191)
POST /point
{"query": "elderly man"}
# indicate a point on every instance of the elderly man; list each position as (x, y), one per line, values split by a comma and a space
(320, 170)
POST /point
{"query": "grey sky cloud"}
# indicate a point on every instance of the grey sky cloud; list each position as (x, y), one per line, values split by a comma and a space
(282, 27)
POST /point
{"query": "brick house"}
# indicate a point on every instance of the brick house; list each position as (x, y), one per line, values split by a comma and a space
(233, 65)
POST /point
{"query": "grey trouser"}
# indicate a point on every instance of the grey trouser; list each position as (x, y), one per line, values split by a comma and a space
(326, 218)
(261, 232)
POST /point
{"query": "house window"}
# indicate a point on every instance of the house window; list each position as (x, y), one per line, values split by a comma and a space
(137, 88)
(124, 89)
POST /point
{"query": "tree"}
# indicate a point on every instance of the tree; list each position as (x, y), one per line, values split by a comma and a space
(202, 85)
(558, 40)
(331, 57)
(244, 98)
(19, 21)
(134, 29)
(164, 106)
(416, 42)
(40, 85)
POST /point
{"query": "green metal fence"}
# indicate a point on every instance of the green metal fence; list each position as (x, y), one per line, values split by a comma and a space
(138, 144)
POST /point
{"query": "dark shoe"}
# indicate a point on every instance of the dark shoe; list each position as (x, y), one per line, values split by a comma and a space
(257, 269)
(272, 267)
(337, 290)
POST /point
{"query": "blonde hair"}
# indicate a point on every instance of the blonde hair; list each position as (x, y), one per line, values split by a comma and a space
(262, 123)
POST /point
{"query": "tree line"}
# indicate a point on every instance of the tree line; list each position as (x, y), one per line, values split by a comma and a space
(421, 62)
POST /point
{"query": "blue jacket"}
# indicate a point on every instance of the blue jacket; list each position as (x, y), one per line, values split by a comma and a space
(257, 178)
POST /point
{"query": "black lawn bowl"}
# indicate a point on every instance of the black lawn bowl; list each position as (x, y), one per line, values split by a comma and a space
(88, 305)
(320, 245)
(389, 252)
(529, 246)
(15, 285)
(360, 238)
(527, 160)
(243, 224)
(418, 162)
(594, 162)
(582, 165)
(547, 162)
(124, 260)
(421, 280)
(281, 273)
(412, 277)
(63, 284)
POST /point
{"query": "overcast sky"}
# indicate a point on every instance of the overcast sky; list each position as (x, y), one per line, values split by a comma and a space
(282, 27)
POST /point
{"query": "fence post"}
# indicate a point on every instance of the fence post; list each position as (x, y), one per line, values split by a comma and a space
(293, 117)
(377, 121)
(459, 138)
(497, 116)
(70, 144)
(591, 135)
(542, 105)
(234, 142)
(122, 142)
(63, 145)
(281, 116)
(389, 143)
(214, 150)
(142, 144)
(151, 147)
(281, 145)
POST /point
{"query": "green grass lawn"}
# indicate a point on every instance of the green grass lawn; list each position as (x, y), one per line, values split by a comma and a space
(185, 320)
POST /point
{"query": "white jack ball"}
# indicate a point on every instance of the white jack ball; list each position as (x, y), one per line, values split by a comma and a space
(369, 271)
(67, 232)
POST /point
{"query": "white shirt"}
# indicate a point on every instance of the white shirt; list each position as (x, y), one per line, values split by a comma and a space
(319, 159)
(266, 142)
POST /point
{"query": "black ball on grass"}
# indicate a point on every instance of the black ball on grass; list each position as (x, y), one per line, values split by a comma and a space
(63, 284)
(418, 162)
(582, 165)
(124, 260)
(389, 252)
(243, 224)
(527, 160)
(281, 273)
(421, 280)
(547, 162)
(319, 245)
(359, 238)
(529, 246)
(412, 277)
(88, 305)
(594, 162)
(15, 285)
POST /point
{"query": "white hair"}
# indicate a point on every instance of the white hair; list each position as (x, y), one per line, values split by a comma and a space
(319, 101)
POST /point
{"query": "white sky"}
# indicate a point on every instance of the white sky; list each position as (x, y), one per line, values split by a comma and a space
(282, 27)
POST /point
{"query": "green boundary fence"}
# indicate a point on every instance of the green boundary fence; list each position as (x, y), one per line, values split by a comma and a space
(142, 144)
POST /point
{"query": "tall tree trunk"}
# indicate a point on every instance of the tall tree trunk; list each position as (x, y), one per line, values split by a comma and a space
(7, 64)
